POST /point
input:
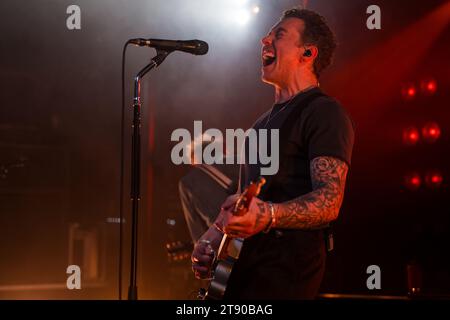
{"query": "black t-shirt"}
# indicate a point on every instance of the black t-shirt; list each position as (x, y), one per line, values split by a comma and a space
(289, 263)
(323, 129)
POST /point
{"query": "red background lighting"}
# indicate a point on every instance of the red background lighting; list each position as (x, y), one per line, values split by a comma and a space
(410, 136)
(431, 132)
(428, 86)
(433, 179)
(413, 181)
(408, 91)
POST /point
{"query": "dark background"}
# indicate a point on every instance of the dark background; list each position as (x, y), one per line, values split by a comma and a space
(60, 138)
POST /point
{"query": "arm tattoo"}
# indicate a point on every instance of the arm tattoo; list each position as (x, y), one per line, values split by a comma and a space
(320, 206)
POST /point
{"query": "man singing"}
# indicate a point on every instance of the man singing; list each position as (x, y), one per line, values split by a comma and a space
(283, 256)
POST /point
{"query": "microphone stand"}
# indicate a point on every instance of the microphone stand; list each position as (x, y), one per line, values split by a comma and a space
(136, 168)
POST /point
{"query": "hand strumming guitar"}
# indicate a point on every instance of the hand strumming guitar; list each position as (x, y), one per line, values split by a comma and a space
(256, 219)
(207, 246)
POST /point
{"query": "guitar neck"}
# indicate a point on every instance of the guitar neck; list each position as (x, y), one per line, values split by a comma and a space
(246, 197)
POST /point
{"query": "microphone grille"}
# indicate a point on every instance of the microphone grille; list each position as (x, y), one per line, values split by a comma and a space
(201, 47)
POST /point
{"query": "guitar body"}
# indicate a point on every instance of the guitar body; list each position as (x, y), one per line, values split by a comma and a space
(230, 248)
(228, 255)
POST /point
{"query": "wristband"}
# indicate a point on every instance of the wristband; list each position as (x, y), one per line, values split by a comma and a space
(272, 218)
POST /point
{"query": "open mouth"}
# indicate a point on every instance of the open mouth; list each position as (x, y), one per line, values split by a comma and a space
(268, 58)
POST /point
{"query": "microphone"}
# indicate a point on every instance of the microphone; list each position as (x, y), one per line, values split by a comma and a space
(196, 47)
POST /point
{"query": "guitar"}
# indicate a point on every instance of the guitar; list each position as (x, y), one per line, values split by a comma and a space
(230, 248)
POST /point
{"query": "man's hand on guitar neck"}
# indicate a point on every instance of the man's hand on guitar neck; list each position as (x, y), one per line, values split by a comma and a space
(257, 218)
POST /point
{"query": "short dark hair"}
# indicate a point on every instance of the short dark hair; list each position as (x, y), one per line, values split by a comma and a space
(317, 33)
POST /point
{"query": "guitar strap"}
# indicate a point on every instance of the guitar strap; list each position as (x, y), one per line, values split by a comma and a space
(241, 154)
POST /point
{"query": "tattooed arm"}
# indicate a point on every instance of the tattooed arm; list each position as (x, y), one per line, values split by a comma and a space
(311, 210)
(320, 206)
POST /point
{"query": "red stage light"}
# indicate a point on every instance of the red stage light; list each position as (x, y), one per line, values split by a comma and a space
(431, 132)
(436, 179)
(428, 86)
(433, 179)
(408, 91)
(410, 136)
(413, 181)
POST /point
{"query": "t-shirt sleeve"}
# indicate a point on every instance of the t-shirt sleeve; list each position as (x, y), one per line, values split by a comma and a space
(328, 131)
